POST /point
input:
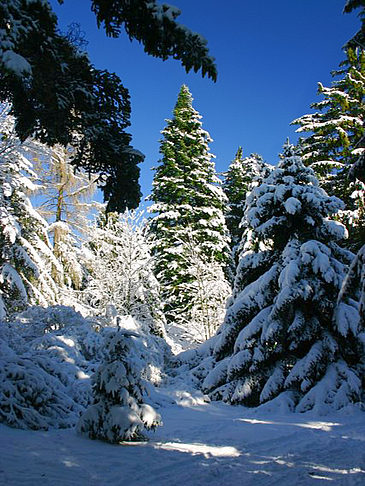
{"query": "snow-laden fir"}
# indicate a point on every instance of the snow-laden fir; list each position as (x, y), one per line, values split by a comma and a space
(243, 174)
(118, 412)
(280, 341)
(336, 139)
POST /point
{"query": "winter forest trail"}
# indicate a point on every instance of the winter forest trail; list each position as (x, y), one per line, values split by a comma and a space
(199, 444)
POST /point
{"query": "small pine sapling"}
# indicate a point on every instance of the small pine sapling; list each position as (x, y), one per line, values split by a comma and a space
(118, 413)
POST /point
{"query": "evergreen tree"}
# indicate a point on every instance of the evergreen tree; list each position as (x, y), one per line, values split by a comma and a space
(58, 96)
(242, 176)
(280, 334)
(337, 139)
(120, 270)
(25, 252)
(188, 202)
(358, 40)
(118, 412)
(351, 300)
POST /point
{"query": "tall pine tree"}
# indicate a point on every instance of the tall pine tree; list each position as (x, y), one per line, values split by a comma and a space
(244, 173)
(337, 139)
(280, 337)
(188, 202)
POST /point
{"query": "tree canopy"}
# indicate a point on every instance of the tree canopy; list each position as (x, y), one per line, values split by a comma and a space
(58, 96)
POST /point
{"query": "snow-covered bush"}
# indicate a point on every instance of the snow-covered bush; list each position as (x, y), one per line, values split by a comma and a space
(118, 412)
(47, 356)
(30, 396)
(46, 360)
(279, 333)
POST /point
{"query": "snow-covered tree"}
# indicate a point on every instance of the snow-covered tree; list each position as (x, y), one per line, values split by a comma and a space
(26, 256)
(280, 338)
(241, 177)
(64, 200)
(208, 290)
(71, 273)
(44, 367)
(337, 138)
(121, 270)
(118, 412)
(66, 194)
(359, 38)
(188, 201)
(350, 310)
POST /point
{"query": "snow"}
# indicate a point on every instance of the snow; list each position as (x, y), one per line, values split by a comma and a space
(347, 318)
(293, 205)
(16, 63)
(199, 444)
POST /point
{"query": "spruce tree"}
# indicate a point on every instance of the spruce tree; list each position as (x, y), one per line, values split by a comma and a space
(242, 176)
(337, 139)
(280, 334)
(118, 412)
(188, 201)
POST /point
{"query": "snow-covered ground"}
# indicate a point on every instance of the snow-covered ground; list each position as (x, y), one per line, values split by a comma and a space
(199, 444)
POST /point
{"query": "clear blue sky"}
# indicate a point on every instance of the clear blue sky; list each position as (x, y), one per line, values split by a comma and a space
(270, 56)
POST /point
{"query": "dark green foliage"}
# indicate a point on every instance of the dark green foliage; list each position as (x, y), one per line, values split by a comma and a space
(243, 174)
(359, 38)
(154, 25)
(58, 96)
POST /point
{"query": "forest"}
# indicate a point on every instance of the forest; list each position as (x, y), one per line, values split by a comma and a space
(223, 301)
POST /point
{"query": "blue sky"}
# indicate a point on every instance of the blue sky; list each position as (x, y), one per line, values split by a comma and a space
(270, 56)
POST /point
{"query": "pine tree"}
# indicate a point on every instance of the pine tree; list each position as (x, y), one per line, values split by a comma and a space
(118, 412)
(359, 38)
(280, 334)
(337, 138)
(350, 309)
(242, 176)
(188, 201)
(25, 252)
(120, 269)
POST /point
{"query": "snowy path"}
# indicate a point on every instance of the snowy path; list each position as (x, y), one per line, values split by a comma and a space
(201, 444)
